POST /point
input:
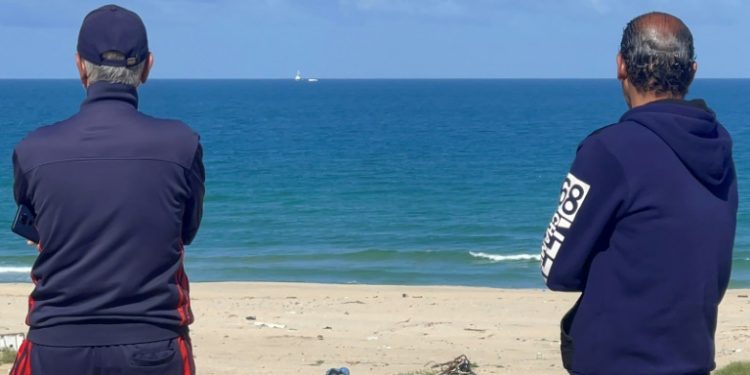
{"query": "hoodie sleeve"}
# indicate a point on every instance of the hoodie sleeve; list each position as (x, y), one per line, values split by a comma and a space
(590, 198)
(20, 186)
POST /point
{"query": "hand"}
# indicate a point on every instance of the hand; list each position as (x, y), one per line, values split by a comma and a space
(34, 244)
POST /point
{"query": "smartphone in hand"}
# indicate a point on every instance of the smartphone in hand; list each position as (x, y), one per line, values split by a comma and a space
(23, 225)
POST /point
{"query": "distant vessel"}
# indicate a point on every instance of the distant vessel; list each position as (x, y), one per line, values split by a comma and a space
(298, 78)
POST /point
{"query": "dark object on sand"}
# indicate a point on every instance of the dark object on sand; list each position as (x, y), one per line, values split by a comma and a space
(458, 366)
(340, 371)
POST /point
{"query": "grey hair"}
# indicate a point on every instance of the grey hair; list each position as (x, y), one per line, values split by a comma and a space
(115, 74)
(658, 51)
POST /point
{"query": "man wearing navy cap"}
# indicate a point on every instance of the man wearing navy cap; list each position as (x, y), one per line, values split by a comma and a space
(117, 194)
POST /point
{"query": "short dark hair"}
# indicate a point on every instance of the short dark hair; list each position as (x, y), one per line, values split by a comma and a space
(658, 52)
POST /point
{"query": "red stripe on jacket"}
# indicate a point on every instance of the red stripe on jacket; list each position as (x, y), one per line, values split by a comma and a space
(32, 302)
(186, 356)
(183, 290)
(22, 366)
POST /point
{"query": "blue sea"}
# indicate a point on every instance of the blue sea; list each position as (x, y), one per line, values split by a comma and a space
(448, 182)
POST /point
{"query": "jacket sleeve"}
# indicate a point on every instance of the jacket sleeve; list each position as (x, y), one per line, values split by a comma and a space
(591, 196)
(196, 178)
(20, 185)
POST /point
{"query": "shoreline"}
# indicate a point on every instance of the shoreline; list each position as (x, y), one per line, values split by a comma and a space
(293, 328)
(520, 288)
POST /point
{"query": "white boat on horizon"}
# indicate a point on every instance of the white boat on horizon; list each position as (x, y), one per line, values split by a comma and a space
(298, 78)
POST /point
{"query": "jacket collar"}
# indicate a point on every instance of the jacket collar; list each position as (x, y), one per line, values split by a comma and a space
(697, 106)
(105, 91)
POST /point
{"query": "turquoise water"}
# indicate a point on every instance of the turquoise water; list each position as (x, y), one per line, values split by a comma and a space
(373, 181)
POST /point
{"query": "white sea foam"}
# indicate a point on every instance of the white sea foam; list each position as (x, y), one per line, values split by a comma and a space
(503, 258)
(15, 269)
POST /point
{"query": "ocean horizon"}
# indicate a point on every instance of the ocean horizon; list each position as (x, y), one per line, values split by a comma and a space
(373, 181)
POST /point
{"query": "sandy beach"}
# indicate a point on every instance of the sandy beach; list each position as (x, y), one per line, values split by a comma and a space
(288, 328)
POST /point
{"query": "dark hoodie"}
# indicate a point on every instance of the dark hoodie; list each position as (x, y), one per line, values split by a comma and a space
(645, 228)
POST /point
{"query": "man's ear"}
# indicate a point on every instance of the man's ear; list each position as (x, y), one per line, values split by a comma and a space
(83, 74)
(622, 70)
(147, 68)
(695, 70)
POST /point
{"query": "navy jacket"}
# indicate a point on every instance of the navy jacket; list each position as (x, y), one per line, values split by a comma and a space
(645, 229)
(116, 195)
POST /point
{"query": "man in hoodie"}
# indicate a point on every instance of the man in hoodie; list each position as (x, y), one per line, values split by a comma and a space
(117, 194)
(646, 220)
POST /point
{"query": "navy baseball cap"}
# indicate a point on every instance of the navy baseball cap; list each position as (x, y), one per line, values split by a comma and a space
(113, 28)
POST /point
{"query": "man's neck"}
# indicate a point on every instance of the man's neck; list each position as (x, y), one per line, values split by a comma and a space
(638, 99)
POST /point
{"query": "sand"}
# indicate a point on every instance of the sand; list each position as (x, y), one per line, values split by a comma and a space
(289, 328)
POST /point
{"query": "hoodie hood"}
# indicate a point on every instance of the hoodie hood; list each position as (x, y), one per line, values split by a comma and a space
(691, 130)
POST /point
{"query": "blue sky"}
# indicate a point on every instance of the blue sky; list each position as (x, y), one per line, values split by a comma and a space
(374, 38)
